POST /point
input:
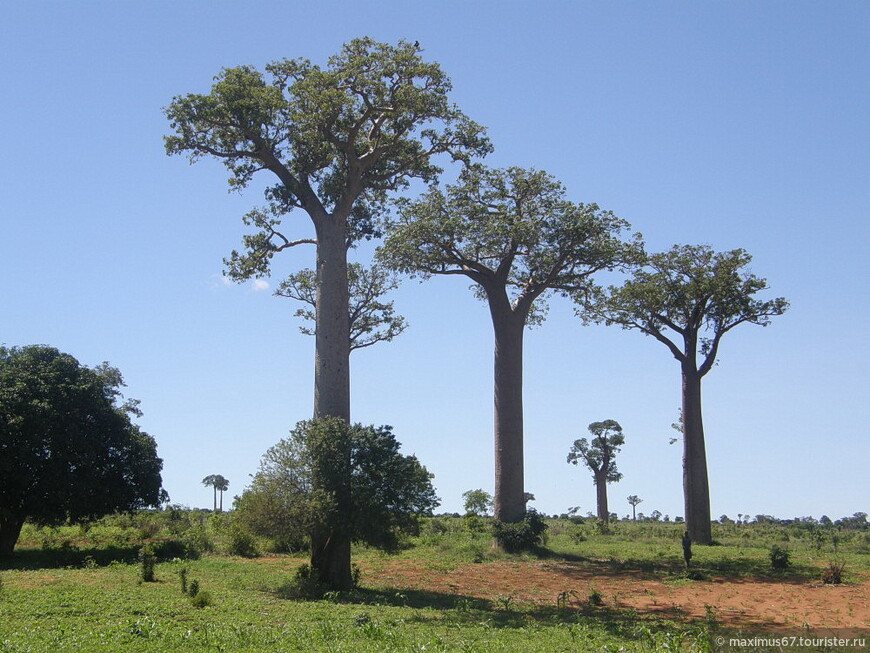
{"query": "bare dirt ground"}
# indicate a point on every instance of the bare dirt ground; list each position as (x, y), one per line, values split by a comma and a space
(740, 604)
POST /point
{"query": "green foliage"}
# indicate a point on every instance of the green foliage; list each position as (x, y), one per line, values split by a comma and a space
(521, 536)
(68, 447)
(304, 585)
(333, 477)
(242, 543)
(476, 502)
(182, 577)
(779, 557)
(338, 138)
(202, 599)
(147, 562)
(507, 229)
(371, 320)
(689, 292)
(595, 597)
(600, 455)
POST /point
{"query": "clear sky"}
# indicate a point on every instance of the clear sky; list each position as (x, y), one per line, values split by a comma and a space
(737, 124)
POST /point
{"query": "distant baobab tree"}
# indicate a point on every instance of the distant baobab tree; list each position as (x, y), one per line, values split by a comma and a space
(634, 500)
(218, 483)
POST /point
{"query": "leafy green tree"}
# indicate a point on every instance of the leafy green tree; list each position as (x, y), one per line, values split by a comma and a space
(371, 320)
(476, 502)
(634, 500)
(599, 455)
(219, 484)
(688, 298)
(328, 477)
(338, 140)
(515, 235)
(68, 447)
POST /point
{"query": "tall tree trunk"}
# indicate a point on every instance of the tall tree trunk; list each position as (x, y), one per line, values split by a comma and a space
(332, 338)
(214, 497)
(509, 500)
(330, 551)
(601, 497)
(696, 488)
(222, 501)
(10, 529)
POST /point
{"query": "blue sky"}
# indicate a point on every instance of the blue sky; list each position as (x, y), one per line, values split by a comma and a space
(738, 124)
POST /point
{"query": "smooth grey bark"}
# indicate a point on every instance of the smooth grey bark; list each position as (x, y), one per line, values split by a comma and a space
(332, 349)
(696, 487)
(601, 496)
(509, 499)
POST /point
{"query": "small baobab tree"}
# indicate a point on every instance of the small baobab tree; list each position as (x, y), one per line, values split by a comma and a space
(599, 455)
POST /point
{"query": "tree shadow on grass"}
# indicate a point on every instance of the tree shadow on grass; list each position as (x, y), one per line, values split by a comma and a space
(673, 568)
(31, 559)
(461, 609)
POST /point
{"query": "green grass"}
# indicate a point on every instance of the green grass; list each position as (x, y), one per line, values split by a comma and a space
(87, 595)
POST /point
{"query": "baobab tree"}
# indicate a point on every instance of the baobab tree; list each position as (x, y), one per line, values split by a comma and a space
(219, 484)
(338, 140)
(599, 455)
(633, 499)
(688, 298)
(514, 233)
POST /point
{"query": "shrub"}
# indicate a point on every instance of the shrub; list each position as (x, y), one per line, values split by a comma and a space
(193, 588)
(202, 599)
(182, 576)
(595, 597)
(779, 557)
(147, 560)
(303, 585)
(833, 573)
(242, 543)
(170, 549)
(520, 536)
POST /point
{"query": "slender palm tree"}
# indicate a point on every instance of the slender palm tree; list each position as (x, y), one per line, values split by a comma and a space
(218, 483)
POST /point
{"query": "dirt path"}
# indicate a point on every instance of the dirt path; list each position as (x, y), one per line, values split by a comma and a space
(743, 604)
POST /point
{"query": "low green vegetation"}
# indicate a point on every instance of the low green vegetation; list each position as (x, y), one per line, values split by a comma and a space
(81, 588)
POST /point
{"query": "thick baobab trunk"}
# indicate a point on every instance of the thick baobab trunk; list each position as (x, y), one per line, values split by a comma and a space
(10, 529)
(332, 347)
(696, 488)
(330, 551)
(601, 497)
(509, 500)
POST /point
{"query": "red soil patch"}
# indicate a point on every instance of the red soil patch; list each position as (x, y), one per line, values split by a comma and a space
(746, 604)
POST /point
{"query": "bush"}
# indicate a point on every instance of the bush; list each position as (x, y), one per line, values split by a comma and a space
(833, 573)
(779, 557)
(520, 536)
(242, 543)
(202, 599)
(147, 560)
(303, 585)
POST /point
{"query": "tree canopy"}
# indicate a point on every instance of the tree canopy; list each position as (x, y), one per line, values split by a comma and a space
(513, 232)
(687, 298)
(68, 447)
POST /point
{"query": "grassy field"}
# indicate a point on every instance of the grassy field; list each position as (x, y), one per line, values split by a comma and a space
(80, 589)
